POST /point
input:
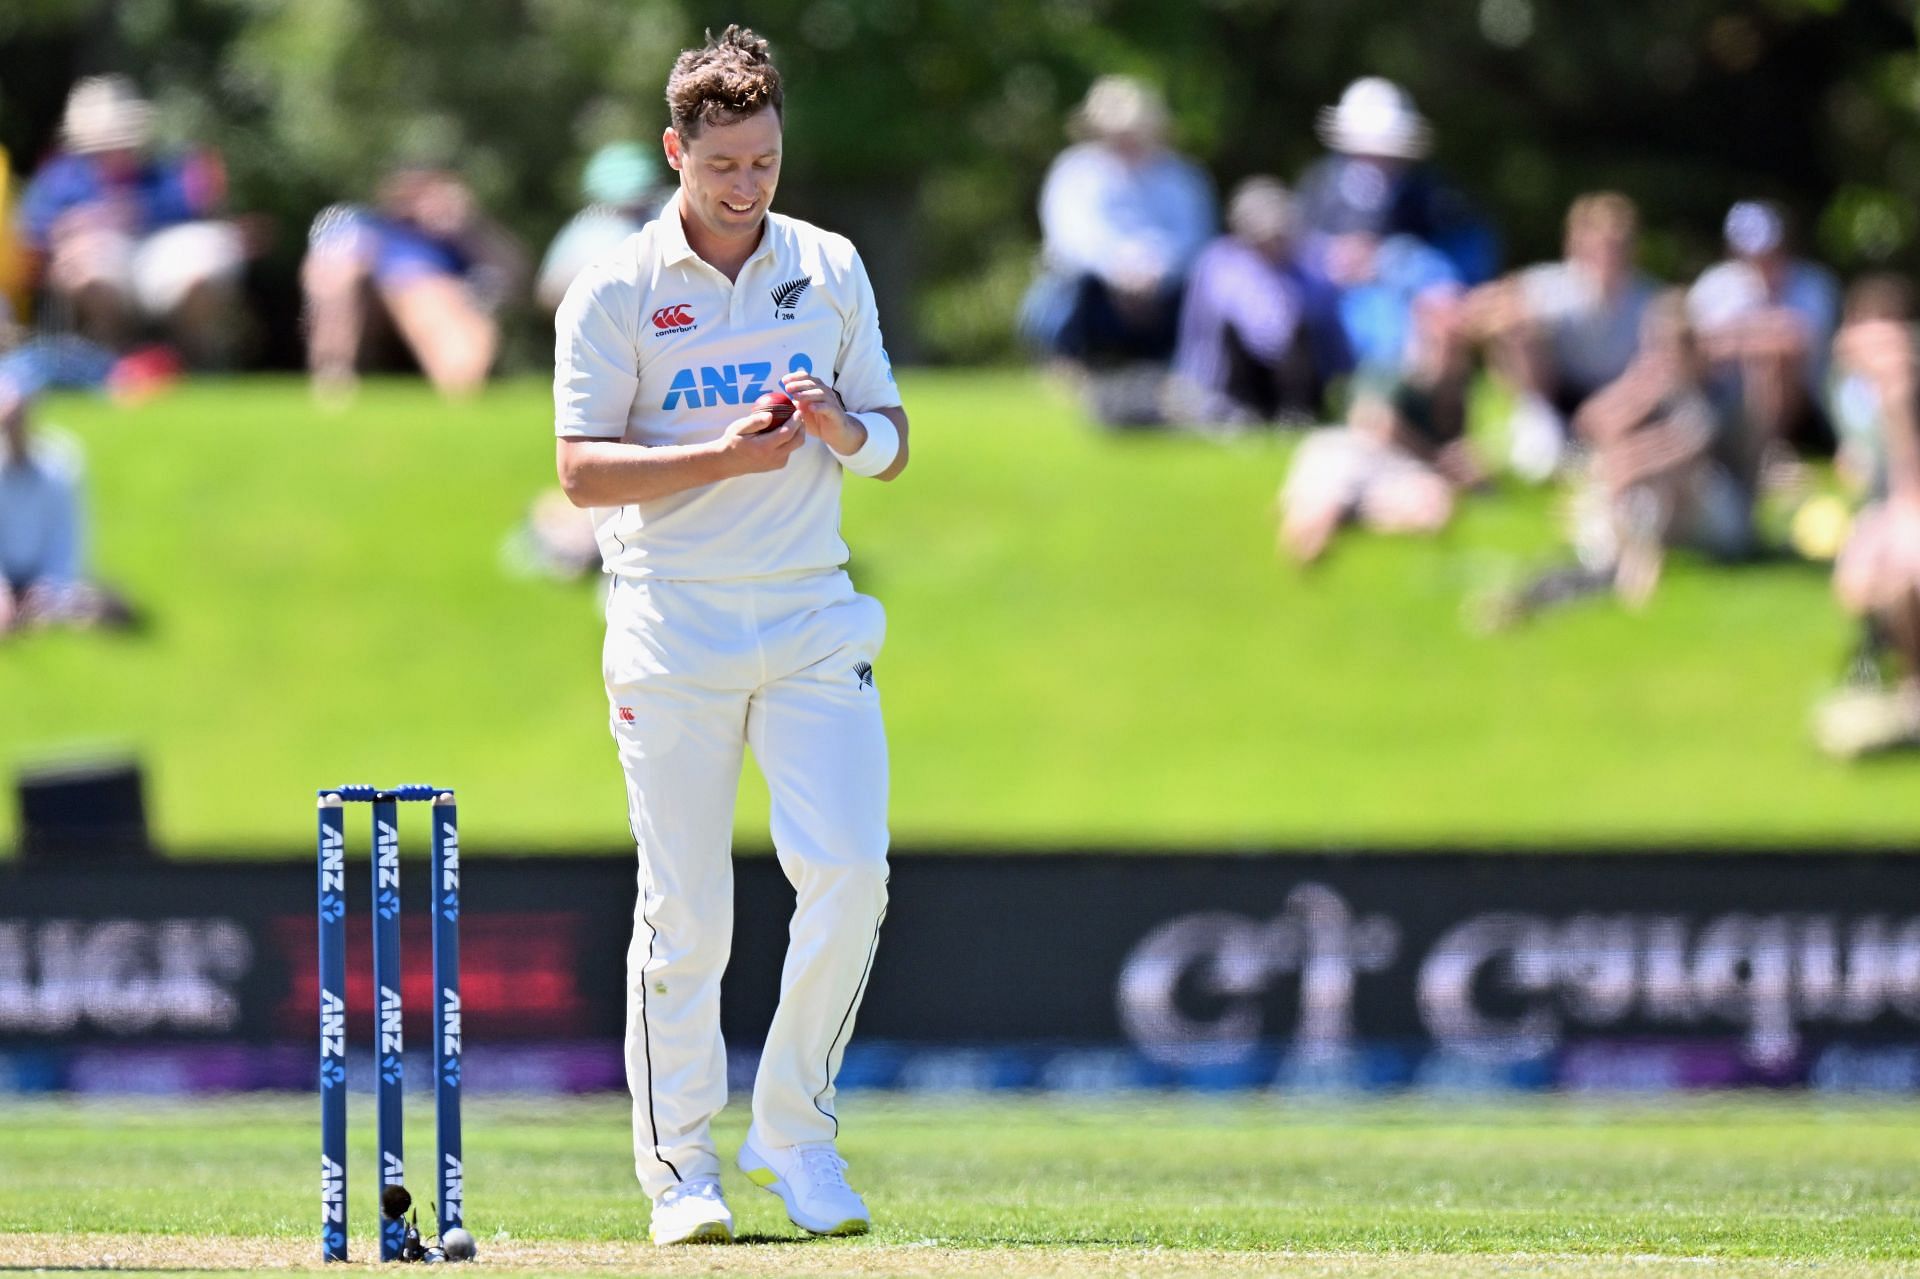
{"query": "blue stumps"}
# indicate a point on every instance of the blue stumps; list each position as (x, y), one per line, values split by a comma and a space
(389, 1036)
(333, 1029)
(446, 988)
(443, 902)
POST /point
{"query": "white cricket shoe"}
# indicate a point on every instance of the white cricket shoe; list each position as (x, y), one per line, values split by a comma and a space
(692, 1212)
(811, 1179)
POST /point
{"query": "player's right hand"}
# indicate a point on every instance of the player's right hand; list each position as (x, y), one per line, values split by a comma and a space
(753, 444)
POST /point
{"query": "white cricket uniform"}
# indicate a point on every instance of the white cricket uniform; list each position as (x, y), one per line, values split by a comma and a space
(731, 623)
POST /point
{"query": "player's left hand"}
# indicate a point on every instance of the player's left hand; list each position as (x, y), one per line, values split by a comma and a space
(823, 414)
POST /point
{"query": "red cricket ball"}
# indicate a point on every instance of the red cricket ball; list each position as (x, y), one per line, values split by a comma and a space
(777, 403)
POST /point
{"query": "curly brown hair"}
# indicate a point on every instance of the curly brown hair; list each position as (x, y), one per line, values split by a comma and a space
(724, 81)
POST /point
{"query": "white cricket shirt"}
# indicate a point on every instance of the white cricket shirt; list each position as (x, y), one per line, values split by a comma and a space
(655, 346)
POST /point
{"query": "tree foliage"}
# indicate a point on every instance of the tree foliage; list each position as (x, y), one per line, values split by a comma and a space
(923, 126)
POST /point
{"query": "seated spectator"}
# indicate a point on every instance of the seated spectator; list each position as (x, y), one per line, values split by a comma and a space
(1666, 467)
(1767, 321)
(1378, 281)
(42, 580)
(1259, 336)
(1560, 331)
(123, 237)
(1877, 574)
(1876, 307)
(1121, 216)
(1398, 463)
(426, 259)
(1375, 183)
(621, 185)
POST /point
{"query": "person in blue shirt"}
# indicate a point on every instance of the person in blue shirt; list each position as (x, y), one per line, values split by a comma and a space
(126, 238)
(1122, 217)
(42, 526)
(433, 264)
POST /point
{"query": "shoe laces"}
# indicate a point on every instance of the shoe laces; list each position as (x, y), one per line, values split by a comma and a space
(823, 1167)
(702, 1189)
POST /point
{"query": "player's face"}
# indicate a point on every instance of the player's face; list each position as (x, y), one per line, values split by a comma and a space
(728, 173)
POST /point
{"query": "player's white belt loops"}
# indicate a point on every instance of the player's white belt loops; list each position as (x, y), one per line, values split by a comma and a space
(882, 446)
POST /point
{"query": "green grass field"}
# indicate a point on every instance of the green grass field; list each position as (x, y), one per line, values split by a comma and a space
(1090, 641)
(1017, 1187)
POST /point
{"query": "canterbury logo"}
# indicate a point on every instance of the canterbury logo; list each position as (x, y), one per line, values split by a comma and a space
(677, 317)
(787, 294)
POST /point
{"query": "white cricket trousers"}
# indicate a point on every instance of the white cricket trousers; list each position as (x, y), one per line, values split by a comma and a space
(695, 671)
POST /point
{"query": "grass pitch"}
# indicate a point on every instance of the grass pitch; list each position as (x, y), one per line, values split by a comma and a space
(1026, 1187)
(1091, 640)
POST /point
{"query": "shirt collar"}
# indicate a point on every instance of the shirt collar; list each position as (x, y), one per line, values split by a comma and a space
(674, 248)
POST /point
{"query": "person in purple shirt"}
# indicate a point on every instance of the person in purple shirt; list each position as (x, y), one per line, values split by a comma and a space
(1260, 336)
(123, 237)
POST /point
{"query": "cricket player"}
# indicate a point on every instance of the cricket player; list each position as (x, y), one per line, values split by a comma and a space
(731, 623)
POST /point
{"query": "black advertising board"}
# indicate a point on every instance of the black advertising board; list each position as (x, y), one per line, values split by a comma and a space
(1630, 969)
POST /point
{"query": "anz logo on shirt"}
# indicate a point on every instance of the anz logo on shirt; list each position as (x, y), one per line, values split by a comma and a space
(706, 386)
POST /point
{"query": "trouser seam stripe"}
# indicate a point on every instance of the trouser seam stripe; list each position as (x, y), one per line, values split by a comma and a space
(858, 991)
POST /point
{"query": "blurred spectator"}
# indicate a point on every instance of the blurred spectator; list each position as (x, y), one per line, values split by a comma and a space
(555, 540)
(1397, 464)
(1121, 217)
(1877, 574)
(1375, 184)
(621, 185)
(1560, 331)
(1259, 336)
(436, 267)
(1877, 307)
(1378, 281)
(1767, 321)
(1667, 468)
(42, 528)
(14, 280)
(123, 237)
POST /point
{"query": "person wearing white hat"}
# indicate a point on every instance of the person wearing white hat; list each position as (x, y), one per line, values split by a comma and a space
(1376, 182)
(1122, 216)
(1768, 319)
(125, 237)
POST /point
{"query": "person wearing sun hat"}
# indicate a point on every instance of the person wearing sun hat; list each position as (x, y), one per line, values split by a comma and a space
(125, 237)
(622, 188)
(1377, 183)
(1122, 216)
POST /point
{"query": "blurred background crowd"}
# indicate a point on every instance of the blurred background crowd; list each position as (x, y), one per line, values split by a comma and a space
(1516, 249)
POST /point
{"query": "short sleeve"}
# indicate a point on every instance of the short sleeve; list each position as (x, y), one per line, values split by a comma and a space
(596, 362)
(863, 375)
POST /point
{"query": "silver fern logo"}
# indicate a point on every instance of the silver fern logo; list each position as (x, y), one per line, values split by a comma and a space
(786, 295)
(863, 671)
